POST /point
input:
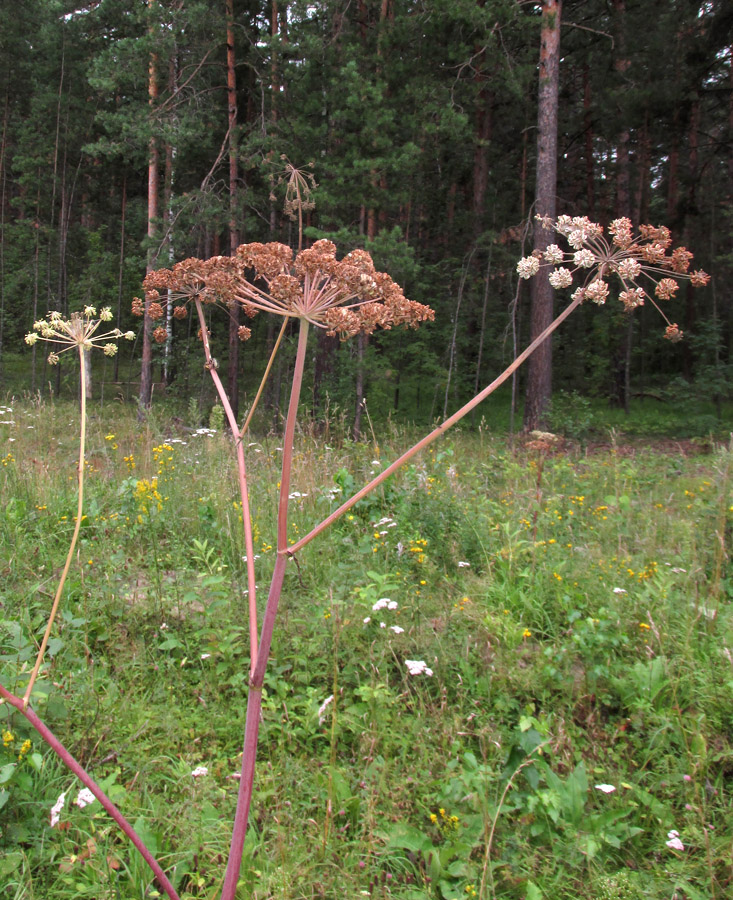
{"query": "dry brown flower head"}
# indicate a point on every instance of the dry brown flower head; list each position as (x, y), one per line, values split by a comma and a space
(344, 296)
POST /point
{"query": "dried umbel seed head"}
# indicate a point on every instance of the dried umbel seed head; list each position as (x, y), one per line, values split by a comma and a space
(160, 335)
(596, 257)
(244, 333)
(343, 296)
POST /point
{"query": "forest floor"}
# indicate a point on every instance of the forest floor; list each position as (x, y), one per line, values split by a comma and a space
(570, 734)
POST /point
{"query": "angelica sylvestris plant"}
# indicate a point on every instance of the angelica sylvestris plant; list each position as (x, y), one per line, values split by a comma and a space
(346, 297)
(641, 263)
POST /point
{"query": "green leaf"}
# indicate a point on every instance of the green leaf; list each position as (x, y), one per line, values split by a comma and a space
(406, 837)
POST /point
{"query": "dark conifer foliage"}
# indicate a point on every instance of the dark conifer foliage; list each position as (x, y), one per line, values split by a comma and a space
(420, 118)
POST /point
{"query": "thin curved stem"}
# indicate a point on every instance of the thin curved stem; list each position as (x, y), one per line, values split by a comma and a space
(58, 748)
(75, 536)
(435, 434)
(211, 365)
(270, 361)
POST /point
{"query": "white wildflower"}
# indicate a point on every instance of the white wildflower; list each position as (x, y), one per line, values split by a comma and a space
(396, 629)
(322, 709)
(606, 788)
(56, 809)
(199, 771)
(674, 842)
(384, 603)
(84, 798)
(418, 667)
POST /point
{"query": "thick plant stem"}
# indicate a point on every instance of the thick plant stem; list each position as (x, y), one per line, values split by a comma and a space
(437, 432)
(75, 536)
(251, 733)
(83, 776)
(211, 365)
(254, 698)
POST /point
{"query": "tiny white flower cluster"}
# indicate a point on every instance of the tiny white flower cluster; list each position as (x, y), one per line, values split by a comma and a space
(83, 798)
(199, 772)
(418, 667)
(384, 603)
(673, 841)
(322, 709)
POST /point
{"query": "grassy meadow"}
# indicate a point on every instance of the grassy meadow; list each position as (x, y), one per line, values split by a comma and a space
(568, 735)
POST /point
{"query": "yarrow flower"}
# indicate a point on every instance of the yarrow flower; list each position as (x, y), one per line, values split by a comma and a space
(80, 330)
(384, 603)
(673, 841)
(345, 297)
(84, 798)
(418, 667)
(56, 809)
(597, 257)
(199, 772)
(322, 709)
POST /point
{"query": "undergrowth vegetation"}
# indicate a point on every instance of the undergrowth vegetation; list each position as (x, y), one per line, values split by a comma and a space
(506, 673)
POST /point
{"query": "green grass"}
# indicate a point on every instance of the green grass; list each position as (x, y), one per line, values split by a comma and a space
(574, 609)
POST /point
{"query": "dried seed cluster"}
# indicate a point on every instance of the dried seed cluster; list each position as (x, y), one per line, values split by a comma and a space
(344, 296)
(597, 256)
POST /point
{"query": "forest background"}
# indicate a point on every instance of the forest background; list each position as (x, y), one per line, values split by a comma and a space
(134, 134)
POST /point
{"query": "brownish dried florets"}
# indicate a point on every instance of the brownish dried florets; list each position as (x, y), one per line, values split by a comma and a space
(343, 296)
(160, 335)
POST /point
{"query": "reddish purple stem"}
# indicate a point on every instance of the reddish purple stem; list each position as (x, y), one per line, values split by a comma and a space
(58, 748)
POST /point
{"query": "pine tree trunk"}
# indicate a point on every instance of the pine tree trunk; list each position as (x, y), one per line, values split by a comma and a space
(234, 342)
(539, 375)
(622, 353)
(590, 181)
(146, 373)
(3, 184)
(121, 270)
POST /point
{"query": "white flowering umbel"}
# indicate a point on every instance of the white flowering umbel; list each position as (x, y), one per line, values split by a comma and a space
(595, 257)
(81, 330)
